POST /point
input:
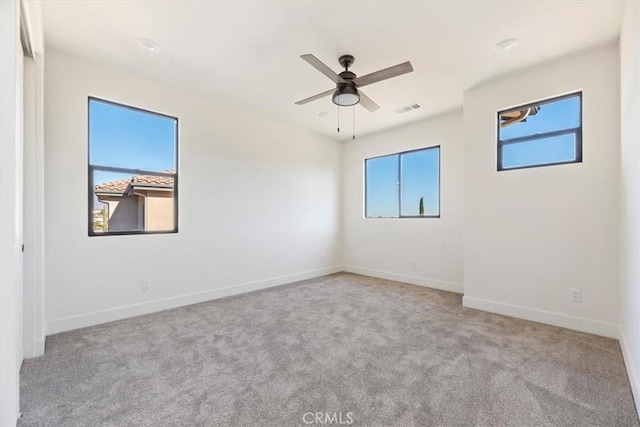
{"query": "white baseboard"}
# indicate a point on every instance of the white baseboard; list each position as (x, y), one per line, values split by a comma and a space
(609, 330)
(632, 372)
(414, 280)
(110, 315)
(37, 349)
(34, 349)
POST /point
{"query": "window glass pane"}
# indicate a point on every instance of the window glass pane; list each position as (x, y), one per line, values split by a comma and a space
(382, 187)
(536, 128)
(128, 138)
(421, 182)
(541, 118)
(125, 202)
(539, 151)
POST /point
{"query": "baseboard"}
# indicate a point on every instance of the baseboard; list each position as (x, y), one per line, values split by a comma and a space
(609, 330)
(34, 349)
(104, 316)
(414, 280)
(38, 347)
(632, 373)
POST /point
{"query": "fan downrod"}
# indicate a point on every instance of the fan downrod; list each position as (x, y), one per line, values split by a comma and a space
(346, 61)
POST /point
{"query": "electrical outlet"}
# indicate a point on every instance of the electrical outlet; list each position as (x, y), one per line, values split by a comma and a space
(575, 295)
(322, 259)
(146, 284)
(413, 263)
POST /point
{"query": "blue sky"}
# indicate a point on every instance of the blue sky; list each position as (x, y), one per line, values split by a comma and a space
(128, 138)
(420, 178)
(420, 169)
(563, 114)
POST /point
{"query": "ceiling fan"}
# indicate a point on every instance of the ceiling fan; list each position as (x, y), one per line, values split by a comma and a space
(347, 91)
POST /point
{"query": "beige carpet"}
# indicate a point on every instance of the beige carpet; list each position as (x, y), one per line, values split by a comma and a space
(352, 348)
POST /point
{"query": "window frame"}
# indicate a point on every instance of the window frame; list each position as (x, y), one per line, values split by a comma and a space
(399, 184)
(92, 168)
(577, 131)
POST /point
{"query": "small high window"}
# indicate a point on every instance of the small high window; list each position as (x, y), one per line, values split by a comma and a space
(403, 185)
(133, 163)
(541, 134)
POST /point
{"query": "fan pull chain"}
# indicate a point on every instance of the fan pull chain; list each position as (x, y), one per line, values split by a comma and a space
(338, 119)
(354, 122)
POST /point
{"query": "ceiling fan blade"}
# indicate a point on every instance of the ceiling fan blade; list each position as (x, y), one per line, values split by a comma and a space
(387, 73)
(367, 103)
(320, 66)
(318, 96)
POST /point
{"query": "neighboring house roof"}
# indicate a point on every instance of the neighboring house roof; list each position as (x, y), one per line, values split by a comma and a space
(125, 186)
(113, 186)
(154, 179)
(512, 117)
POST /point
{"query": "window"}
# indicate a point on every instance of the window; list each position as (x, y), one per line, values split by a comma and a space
(541, 134)
(133, 170)
(403, 185)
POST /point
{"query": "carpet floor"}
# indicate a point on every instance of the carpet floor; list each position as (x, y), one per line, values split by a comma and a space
(351, 348)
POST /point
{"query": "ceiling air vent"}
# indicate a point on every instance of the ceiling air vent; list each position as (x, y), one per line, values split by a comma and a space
(407, 108)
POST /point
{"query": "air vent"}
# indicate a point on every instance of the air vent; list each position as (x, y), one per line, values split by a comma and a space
(407, 108)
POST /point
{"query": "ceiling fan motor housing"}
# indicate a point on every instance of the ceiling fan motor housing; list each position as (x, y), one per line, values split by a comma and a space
(346, 61)
(347, 76)
(346, 93)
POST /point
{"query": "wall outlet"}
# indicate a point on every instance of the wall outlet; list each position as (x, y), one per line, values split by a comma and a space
(146, 284)
(322, 259)
(575, 295)
(413, 263)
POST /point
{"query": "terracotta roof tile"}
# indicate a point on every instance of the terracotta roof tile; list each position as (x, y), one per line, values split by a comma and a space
(122, 186)
(113, 186)
(154, 180)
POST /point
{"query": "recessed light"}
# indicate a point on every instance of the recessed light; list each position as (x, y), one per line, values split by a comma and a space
(505, 45)
(324, 114)
(149, 45)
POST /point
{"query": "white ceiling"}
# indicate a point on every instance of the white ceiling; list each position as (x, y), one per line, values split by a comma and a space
(246, 54)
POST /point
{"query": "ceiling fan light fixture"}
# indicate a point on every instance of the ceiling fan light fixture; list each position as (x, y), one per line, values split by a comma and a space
(346, 95)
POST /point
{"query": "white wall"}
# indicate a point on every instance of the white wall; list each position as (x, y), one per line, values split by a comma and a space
(533, 234)
(630, 197)
(530, 235)
(34, 331)
(386, 247)
(10, 211)
(259, 204)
